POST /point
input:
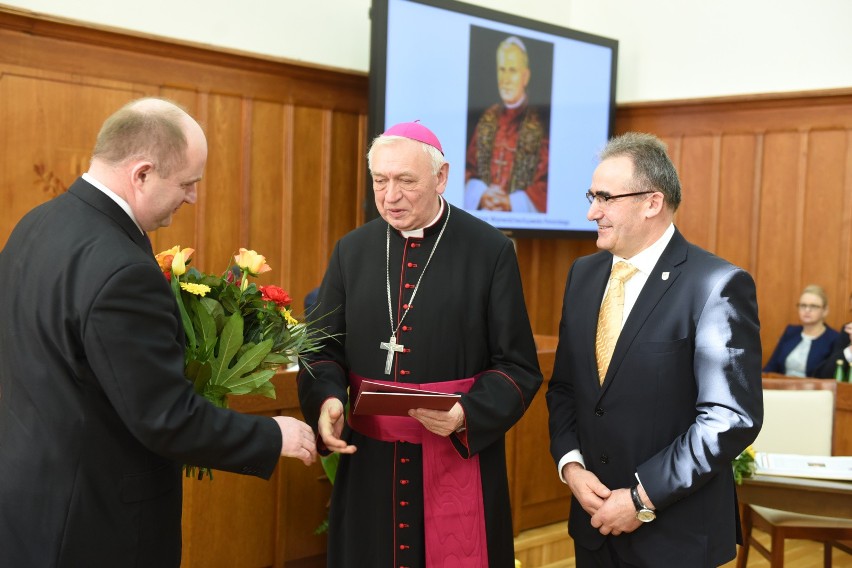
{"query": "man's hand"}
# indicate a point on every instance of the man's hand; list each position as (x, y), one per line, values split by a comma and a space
(617, 515)
(440, 422)
(585, 486)
(330, 426)
(297, 439)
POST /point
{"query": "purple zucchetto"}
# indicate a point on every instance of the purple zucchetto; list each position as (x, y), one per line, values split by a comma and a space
(414, 131)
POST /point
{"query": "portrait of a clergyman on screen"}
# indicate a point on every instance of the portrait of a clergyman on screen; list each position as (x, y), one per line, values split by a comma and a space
(508, 122)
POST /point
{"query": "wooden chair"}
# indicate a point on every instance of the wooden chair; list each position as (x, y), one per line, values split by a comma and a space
(798, 419)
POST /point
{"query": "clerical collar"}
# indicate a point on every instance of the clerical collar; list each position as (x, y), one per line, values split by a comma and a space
(419, 233)
(114, 196)
(517, 104)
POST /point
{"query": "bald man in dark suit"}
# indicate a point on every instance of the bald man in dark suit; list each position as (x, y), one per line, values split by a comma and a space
(96, 417)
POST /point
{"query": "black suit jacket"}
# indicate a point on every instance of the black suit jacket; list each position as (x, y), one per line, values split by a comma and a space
(681, 398)
(95, 415)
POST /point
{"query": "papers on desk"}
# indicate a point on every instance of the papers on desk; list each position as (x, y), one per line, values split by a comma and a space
(394, 400)
(794, 465)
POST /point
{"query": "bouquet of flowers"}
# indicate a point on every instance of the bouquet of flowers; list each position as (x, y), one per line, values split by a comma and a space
(744, 465)
(238, 334)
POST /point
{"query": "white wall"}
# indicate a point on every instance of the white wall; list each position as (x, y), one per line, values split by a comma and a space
(668, 49)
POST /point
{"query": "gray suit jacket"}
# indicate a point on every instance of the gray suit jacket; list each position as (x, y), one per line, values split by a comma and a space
(682, 397)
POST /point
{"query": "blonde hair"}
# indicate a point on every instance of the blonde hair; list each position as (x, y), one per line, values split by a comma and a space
(818, 291)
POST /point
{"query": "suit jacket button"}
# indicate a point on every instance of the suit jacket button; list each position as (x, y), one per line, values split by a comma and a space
(604, 458)
(599, 411)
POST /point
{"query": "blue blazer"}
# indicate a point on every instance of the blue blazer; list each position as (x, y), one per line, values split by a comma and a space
(820, 350)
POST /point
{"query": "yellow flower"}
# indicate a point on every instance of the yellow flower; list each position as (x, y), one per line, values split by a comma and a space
(197, 289)
(750, 451)
(289, 318)
(252, 262)
(179, 261)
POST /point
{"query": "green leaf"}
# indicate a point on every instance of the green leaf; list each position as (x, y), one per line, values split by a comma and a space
(199, 373)
(205, 325)
(184, 317)
(329, 464)
(277, 359)
(216, 394)
(229, 343)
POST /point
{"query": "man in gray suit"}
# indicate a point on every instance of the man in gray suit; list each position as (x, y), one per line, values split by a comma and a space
(644, 422)
(96, 417)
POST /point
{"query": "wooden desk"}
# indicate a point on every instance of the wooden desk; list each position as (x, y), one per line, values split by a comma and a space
(798, 495)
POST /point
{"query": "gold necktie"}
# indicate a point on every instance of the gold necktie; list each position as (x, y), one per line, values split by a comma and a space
(609, 318)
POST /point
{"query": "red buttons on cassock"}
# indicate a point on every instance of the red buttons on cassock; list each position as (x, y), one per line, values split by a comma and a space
(403, 503)
(404, 547)
(403, 525)
(403, 482)
(407, 328)
(415, 245)
(406, 350)
(404, 372)
(407, 285)
(411, 265)
(405, 306)
(404, 460)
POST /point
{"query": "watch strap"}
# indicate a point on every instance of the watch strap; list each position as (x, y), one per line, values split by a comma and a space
(637, 501)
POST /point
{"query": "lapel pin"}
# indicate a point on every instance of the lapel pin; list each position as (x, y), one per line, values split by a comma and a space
(665, 275)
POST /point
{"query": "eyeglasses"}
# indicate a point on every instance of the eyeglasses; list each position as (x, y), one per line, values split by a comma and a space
(812, 307)
(602, 197)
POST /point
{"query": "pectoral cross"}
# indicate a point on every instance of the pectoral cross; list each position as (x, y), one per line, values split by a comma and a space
(391, 347)
(501, 162)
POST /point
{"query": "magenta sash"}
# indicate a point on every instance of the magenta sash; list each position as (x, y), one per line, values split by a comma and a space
(454, 514)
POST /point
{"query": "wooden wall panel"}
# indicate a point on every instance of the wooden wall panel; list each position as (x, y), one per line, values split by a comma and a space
(778, 257)
(310, 207)
(697, 214)
(737, 198)
(823, 213)
(44, 146)
(266, 196)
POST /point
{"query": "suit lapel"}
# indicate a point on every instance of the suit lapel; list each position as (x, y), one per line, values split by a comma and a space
(651, 295)
(100, 201)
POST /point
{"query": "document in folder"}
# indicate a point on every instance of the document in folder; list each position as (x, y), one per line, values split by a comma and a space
(393, 400)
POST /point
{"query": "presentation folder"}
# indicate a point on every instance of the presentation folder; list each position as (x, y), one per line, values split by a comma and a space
(393, 400)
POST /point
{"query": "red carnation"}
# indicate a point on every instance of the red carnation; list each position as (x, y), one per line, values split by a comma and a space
(275, 294)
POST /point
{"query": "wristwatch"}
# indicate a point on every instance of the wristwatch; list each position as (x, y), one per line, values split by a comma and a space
(643, 513)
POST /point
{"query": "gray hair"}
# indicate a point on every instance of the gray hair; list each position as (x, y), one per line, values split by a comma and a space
(435, 156)
(652, 168)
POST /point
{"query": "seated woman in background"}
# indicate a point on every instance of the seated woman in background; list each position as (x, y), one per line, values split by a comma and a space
(804, 348)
